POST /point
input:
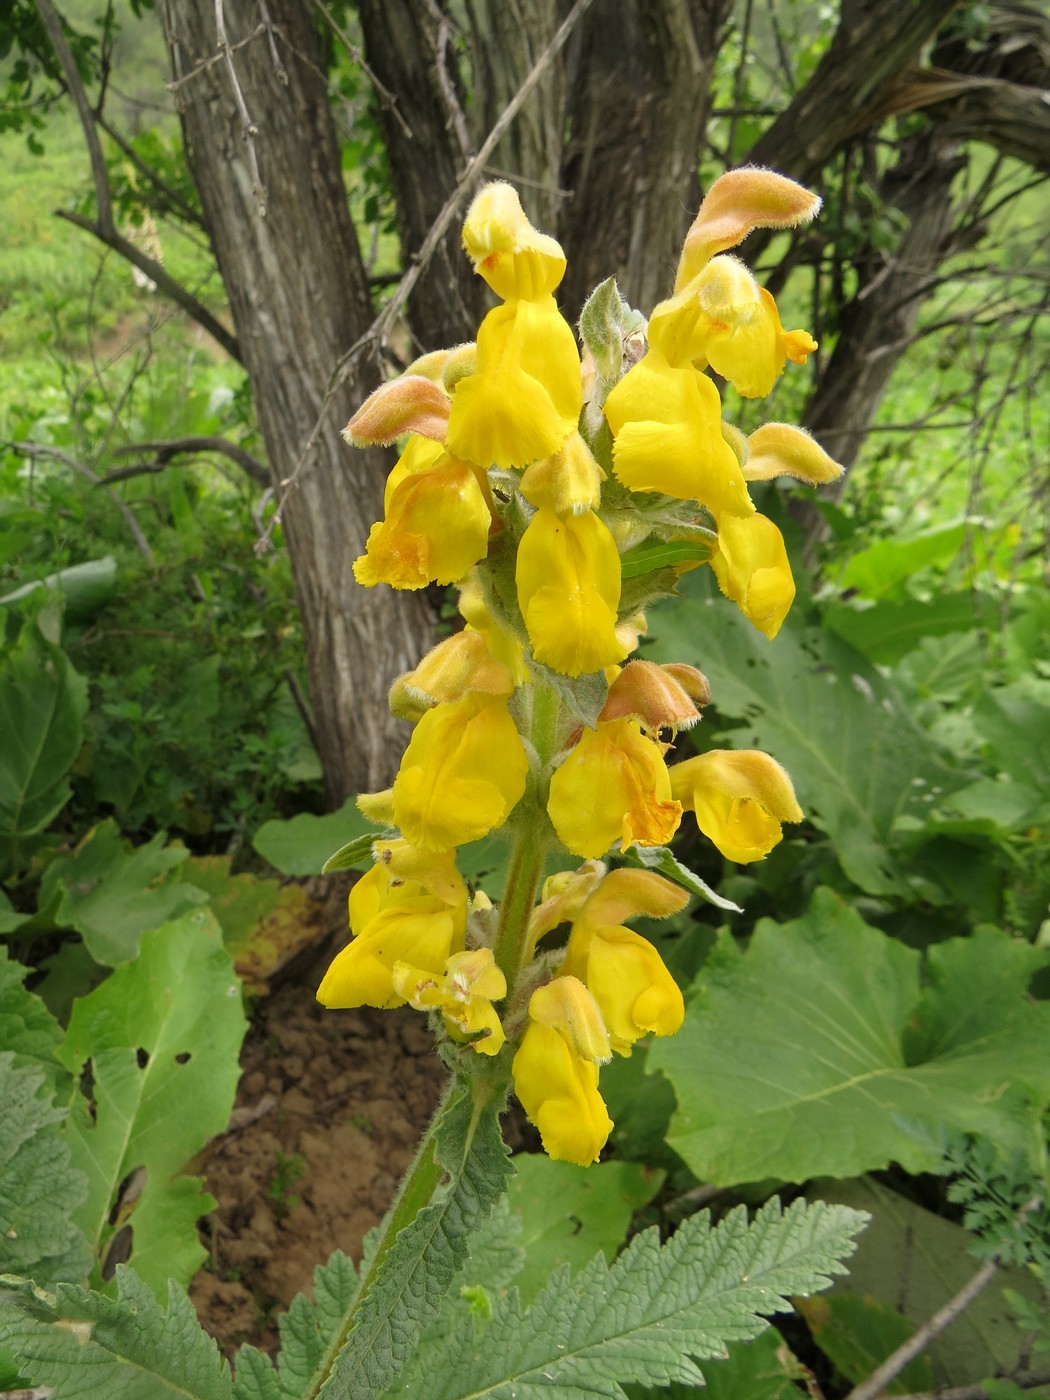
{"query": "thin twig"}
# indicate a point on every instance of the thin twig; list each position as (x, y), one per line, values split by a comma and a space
(1024, 1380)
(163, 452)
(890, 1369)
(157, 273)
(387, 98)
(380, 327)
(45, 453)
(249, 130)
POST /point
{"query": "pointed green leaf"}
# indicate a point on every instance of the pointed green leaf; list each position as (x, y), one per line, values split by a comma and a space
(84, 1345)
(302, 845)
(645, 1318)
(815, 1052)
(660, 859)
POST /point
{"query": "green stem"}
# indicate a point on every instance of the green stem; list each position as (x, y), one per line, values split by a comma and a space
(528, 859)
(416, 1190)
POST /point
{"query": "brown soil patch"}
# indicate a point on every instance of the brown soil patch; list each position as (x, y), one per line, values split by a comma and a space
(330, 1108)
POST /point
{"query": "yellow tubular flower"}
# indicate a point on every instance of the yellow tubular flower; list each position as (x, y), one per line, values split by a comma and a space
(411, 404)
(506, 250)
(568, 580)
(436, 529)
(503, 645)
(410, 906)
(463, 771)
(556, 1071)
(667, 436)
(634, 991)
(464, 995)
(740, 798)
(753, 569)
(419, 455)
(781, 449)
(457, 666)
(613, 786)
(747, 344)
(525, 396)
(569, 482)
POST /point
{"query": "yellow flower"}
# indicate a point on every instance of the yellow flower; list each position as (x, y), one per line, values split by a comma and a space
(752, 568)
(525, 396)
(613, 786)
(436, 529)
(740, 798)
(502, 643)
(464, 995)
(410, 907)
(419, 455)
(506, 250)
(411, 404)
(463, 771)
(556, 1071)
(667, 436)
(622, 970)
(568, 580)
(781, 449)
(457, 666)
(569, 482)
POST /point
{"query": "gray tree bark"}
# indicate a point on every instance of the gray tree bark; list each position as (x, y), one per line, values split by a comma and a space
(289, 259)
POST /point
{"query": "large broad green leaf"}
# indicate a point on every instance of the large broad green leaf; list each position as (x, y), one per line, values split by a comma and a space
(886, 631)
(42, 706)
(645, 1318)
(84, 1346)
(162, 1036)
(302, 845)
(885, 568)
(30, 1031)
(112, 892)
(817, 1052)
(84, 587)
(858, 1334)
(762, 1369)
(858, 761)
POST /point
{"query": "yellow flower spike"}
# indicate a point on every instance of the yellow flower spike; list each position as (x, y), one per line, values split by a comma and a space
(436, 529)
(667, 437)
(569, 482)
(568, 582)
(507, 251)
(464, 995)
(740, 798)
(411, 404)
(462, 773)
(737, 202)
(613, 786)
(503, 644)
(525, 396)
(458, 666)
(556, 1071)
(408, 907)
(752, 568)
(653, 695)
(781, 449)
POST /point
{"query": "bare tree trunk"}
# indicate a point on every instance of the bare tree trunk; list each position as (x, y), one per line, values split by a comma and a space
(410, 46)
(266, 163)
(639, 102)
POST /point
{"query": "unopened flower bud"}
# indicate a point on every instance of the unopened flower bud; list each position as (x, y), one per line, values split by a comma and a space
(653, 696)
(411, 404)
(781, 449)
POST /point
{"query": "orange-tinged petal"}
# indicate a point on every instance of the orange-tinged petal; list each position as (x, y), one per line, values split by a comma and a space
(436, 529)
(613, 786)
(411, 404)
(568, 584)
(740, 797)
(460, 664)
(737, 202)
(752, 568)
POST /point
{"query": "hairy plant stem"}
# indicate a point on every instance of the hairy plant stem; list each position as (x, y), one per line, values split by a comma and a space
(416, 1190)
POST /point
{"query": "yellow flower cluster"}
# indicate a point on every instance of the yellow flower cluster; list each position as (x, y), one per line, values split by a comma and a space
(500, 490)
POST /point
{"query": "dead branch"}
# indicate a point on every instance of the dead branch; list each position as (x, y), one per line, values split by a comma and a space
(164, 452)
